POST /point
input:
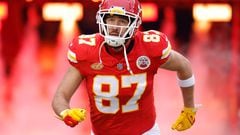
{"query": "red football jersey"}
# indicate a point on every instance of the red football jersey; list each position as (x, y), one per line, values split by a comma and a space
(121, 103)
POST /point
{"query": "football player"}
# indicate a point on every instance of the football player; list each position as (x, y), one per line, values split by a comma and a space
(119, 64)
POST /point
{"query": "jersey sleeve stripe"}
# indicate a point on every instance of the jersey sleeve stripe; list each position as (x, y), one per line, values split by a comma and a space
(166, 51)
(72, 56)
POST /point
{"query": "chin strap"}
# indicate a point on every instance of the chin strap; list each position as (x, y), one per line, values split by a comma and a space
(125, 56)
(126, 59)
(99, 52)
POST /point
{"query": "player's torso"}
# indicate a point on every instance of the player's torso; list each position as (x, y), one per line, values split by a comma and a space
(119, 99)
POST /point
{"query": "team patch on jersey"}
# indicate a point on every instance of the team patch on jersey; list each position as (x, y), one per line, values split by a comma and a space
(72, 56)
(97, 66)
(143, 62)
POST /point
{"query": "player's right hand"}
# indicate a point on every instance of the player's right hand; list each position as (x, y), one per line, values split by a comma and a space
(72, 117)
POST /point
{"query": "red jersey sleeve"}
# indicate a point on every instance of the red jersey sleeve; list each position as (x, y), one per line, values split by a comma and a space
(76, 51)
(166, 46)
(157, 44)
(81, 48)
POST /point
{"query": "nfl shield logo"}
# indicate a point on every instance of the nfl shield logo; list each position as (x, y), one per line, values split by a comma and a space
(119, 66)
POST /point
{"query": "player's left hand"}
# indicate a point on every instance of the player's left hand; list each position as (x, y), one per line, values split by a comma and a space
(185, 120)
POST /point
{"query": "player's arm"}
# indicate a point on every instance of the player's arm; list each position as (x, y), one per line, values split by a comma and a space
(66, 89)
(63, 95)
(180, 64)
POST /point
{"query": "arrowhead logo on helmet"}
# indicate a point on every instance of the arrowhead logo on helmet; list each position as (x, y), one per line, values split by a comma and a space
(117, 10)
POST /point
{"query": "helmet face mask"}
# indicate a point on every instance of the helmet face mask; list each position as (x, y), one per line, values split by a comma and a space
(130, 11)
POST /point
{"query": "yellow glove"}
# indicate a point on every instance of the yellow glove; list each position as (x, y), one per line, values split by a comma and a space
(72, 117)
(185, 120)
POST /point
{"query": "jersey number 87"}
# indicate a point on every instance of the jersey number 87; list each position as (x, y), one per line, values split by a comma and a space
(112, 94)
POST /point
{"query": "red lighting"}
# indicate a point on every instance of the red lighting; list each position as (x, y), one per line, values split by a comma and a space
(150, 12)
(96, 0)
(3, 10)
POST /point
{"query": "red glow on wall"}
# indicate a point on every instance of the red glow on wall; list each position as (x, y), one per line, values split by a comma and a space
(96, 0)
(3, 10)
(149, 12)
